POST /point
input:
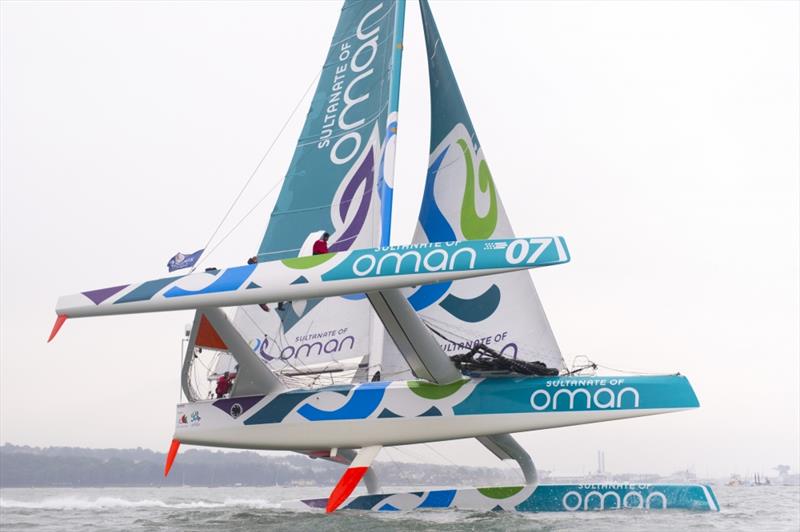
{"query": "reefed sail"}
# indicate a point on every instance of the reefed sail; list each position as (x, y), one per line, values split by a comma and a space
(339, 181)
(461, 202)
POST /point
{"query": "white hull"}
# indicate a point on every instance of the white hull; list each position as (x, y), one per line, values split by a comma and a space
(407, 412)
(385, 432)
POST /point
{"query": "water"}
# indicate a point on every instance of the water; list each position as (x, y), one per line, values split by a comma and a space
(767, 508)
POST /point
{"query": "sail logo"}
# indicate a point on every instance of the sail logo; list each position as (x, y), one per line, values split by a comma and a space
(473, 225)
(305, 349)
(582, 399)
(595, 500)
(412, 261)
(357, 59)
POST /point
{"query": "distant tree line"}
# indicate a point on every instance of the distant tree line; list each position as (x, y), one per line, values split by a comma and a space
(23, 466)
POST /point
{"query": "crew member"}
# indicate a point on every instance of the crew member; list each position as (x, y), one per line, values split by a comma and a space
(224, 384)
(321, 245)
(264, 307)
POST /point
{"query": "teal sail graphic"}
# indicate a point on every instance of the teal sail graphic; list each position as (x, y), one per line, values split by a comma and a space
(332, 180)
(461, 202)
(339, 181)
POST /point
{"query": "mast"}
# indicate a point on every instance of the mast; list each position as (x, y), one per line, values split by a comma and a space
(386, 182)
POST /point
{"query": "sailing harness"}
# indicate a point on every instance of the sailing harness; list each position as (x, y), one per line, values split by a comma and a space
(482, 358)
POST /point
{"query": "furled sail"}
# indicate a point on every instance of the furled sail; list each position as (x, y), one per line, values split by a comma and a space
(339, 181)
(461, 202)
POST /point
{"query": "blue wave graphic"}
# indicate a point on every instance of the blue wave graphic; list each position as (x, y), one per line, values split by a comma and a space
(363, 402)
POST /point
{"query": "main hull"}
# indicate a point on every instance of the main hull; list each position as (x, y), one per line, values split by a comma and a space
(545, 498)
(407, 412)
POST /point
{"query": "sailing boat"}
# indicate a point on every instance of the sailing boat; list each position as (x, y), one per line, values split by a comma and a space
(372, 345)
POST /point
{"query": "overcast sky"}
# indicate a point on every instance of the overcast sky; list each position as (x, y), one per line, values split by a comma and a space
(660, 138)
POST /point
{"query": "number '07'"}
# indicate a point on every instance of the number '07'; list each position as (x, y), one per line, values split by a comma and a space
(520, 249)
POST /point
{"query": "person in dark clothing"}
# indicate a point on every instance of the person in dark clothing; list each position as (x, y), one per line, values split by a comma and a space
(254, 260)
(224, 384)
(321, 245)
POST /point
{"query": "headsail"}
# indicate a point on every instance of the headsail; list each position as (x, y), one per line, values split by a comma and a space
(339, 181)
(461, 202)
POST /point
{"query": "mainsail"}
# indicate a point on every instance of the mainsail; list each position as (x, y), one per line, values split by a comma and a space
(461, 202)
(339, 181)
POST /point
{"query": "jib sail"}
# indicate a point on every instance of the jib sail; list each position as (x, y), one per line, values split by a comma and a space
(461, 202)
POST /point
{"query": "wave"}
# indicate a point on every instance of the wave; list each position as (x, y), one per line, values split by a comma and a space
(78, 503)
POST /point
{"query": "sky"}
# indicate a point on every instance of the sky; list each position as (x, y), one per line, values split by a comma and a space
(660, 138)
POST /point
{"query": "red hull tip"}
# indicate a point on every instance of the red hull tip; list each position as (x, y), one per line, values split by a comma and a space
(57, 327)
(345, 487)
(173, 450)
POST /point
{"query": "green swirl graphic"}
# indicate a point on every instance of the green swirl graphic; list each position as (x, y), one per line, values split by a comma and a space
(500, 493)
(304, 263)
(473, 226)
(428, 390)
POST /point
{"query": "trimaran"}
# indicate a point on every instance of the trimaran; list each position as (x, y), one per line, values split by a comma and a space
(469, 351)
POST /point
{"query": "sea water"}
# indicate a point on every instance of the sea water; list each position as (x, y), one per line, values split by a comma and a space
(767, 508)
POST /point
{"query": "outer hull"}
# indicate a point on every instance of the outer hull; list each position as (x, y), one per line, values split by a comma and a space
(402, 431)
(407, 412)
(348, 272)
(545, 498)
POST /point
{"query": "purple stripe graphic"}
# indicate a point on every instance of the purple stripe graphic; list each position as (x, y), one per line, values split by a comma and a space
(98, 296)
(364, 174)
(244, 402)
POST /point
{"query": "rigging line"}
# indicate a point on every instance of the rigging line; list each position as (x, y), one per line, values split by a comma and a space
(200, 361)
(389, 456)
(445, 338)
(451, 329)
(414, 457)
(631, 371)
(193, 377)
(265, 196)
(272, 337)
(252, 320)
(253, 174)
(429, 446)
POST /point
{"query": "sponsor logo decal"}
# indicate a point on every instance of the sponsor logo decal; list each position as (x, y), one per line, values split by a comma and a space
(308, 345)
(354, 58)
(596, 500)
(583, 399)
(192, 419)
(412, 261)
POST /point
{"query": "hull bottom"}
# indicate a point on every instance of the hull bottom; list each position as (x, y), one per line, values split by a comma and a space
(545, 498)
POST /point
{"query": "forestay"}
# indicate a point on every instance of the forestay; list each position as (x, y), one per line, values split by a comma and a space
(339, 181)
(461, 202)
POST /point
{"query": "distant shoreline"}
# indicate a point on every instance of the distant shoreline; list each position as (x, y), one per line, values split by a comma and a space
(77, 467)
(61, 467)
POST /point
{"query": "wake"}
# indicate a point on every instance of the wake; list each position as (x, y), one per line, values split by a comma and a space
(101, 503)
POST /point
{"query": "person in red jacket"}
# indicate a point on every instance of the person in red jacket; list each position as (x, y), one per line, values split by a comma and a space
(224, 383)
(321, 245)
